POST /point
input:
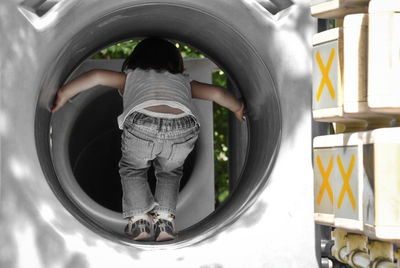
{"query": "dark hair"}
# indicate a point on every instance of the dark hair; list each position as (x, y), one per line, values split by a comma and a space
(155, 53)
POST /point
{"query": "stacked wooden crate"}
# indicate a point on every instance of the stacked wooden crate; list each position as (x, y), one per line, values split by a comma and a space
(356, 87)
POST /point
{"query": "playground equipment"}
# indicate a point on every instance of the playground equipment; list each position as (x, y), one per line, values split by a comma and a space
(356, 173)
(266, 55)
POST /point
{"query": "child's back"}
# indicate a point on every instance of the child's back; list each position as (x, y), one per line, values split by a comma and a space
(145, 89)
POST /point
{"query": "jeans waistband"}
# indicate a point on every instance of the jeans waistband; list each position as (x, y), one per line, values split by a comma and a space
(162, 124)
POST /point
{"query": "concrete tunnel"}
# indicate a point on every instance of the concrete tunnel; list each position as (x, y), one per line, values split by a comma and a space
(244, 39)
(116, 27)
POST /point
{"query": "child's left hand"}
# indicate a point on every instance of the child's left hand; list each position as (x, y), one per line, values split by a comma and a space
(240, 113)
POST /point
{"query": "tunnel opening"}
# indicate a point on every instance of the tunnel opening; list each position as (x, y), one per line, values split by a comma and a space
(229, 49)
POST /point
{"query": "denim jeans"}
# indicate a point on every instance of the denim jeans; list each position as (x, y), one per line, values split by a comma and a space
(163, 143)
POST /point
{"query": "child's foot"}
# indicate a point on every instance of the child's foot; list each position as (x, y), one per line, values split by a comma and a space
(164, 229)
(139, 230)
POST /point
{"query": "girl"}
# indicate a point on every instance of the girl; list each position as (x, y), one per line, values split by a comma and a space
(160, 128)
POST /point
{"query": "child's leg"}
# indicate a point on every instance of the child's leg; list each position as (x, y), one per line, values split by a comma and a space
(168, 170)
(137, 153)
(167, 187)
(137, 199)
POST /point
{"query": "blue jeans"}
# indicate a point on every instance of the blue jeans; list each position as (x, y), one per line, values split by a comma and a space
(165, 143)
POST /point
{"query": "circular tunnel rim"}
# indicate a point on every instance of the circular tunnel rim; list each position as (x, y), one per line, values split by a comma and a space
(222, 223)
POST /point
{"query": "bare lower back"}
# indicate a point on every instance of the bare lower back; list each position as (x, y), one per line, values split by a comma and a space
(164, 109)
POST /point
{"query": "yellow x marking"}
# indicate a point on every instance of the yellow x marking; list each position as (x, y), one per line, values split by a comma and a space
(325, 75)
(325, 180)
(346, 186)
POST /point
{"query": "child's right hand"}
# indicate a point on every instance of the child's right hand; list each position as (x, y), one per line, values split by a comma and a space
(61, 99)
(240, 113)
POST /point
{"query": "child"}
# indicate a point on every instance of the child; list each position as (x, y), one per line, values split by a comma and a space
(160, 127)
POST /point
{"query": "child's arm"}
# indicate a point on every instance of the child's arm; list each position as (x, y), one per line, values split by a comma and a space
(86, 81)
(220, 95)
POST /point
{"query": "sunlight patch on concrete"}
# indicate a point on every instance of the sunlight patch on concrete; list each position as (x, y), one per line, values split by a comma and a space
(28, 255)
(19, 169)
(47, 213)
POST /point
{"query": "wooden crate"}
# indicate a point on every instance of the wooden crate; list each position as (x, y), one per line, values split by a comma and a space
(363, 172)
(339, 159)
(340, 76)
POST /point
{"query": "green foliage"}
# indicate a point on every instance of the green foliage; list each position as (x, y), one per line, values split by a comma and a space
(220, 144)
(124, 49)
(188, 52)
(332, 23)
(117, 51)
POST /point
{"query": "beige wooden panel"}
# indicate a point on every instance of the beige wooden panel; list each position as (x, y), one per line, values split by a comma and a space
(384, 62)
(337, 8)
(383, 6)
(381, 152)
(355, 63)
(387, 190)
(355, 73)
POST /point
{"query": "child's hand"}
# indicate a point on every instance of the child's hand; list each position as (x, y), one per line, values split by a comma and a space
(240, 113)
(61, 99)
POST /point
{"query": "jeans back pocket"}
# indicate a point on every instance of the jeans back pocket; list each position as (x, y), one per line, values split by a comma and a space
(180, 150)
(135, 146)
